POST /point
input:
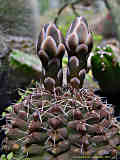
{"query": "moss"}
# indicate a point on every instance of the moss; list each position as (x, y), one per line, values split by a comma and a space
(106, 69)
(22, 61)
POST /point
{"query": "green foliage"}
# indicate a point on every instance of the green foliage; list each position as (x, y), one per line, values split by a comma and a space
(3, 157)
(104, 59)
(97, 37)
(97, 40)
(65, 25)
(8, 157)
(64, 62)
(63, 29)
(106, 69)
(8, 109)
(23, 94)
(11, 156)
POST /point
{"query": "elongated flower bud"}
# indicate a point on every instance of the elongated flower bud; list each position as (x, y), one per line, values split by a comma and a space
(79, 44)
(50, 50)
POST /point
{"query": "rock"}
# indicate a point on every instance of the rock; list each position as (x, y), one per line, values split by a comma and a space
(16, 18)
(17, 70)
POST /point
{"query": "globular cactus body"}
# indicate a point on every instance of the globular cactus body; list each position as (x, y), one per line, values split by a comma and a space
(73, 123)
(79, 44)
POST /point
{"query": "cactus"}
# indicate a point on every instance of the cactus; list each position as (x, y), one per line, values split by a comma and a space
(66, 124)
(106, 70)
(61, 123)
(79, 43)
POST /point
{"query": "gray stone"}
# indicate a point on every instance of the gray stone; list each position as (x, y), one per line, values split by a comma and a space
(17, 70)
(16, 17)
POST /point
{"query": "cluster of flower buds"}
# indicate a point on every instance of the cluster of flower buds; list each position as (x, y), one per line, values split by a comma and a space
(50, 49)
(52, 46)
(79, 44)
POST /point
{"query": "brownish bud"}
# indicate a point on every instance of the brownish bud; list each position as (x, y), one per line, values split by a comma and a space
(82, 49)
(89, 42)
(58, 91)
(75, 82)
(72, 41)
(60, 51)
(43, 57)
(49, 46)
(73, 62)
